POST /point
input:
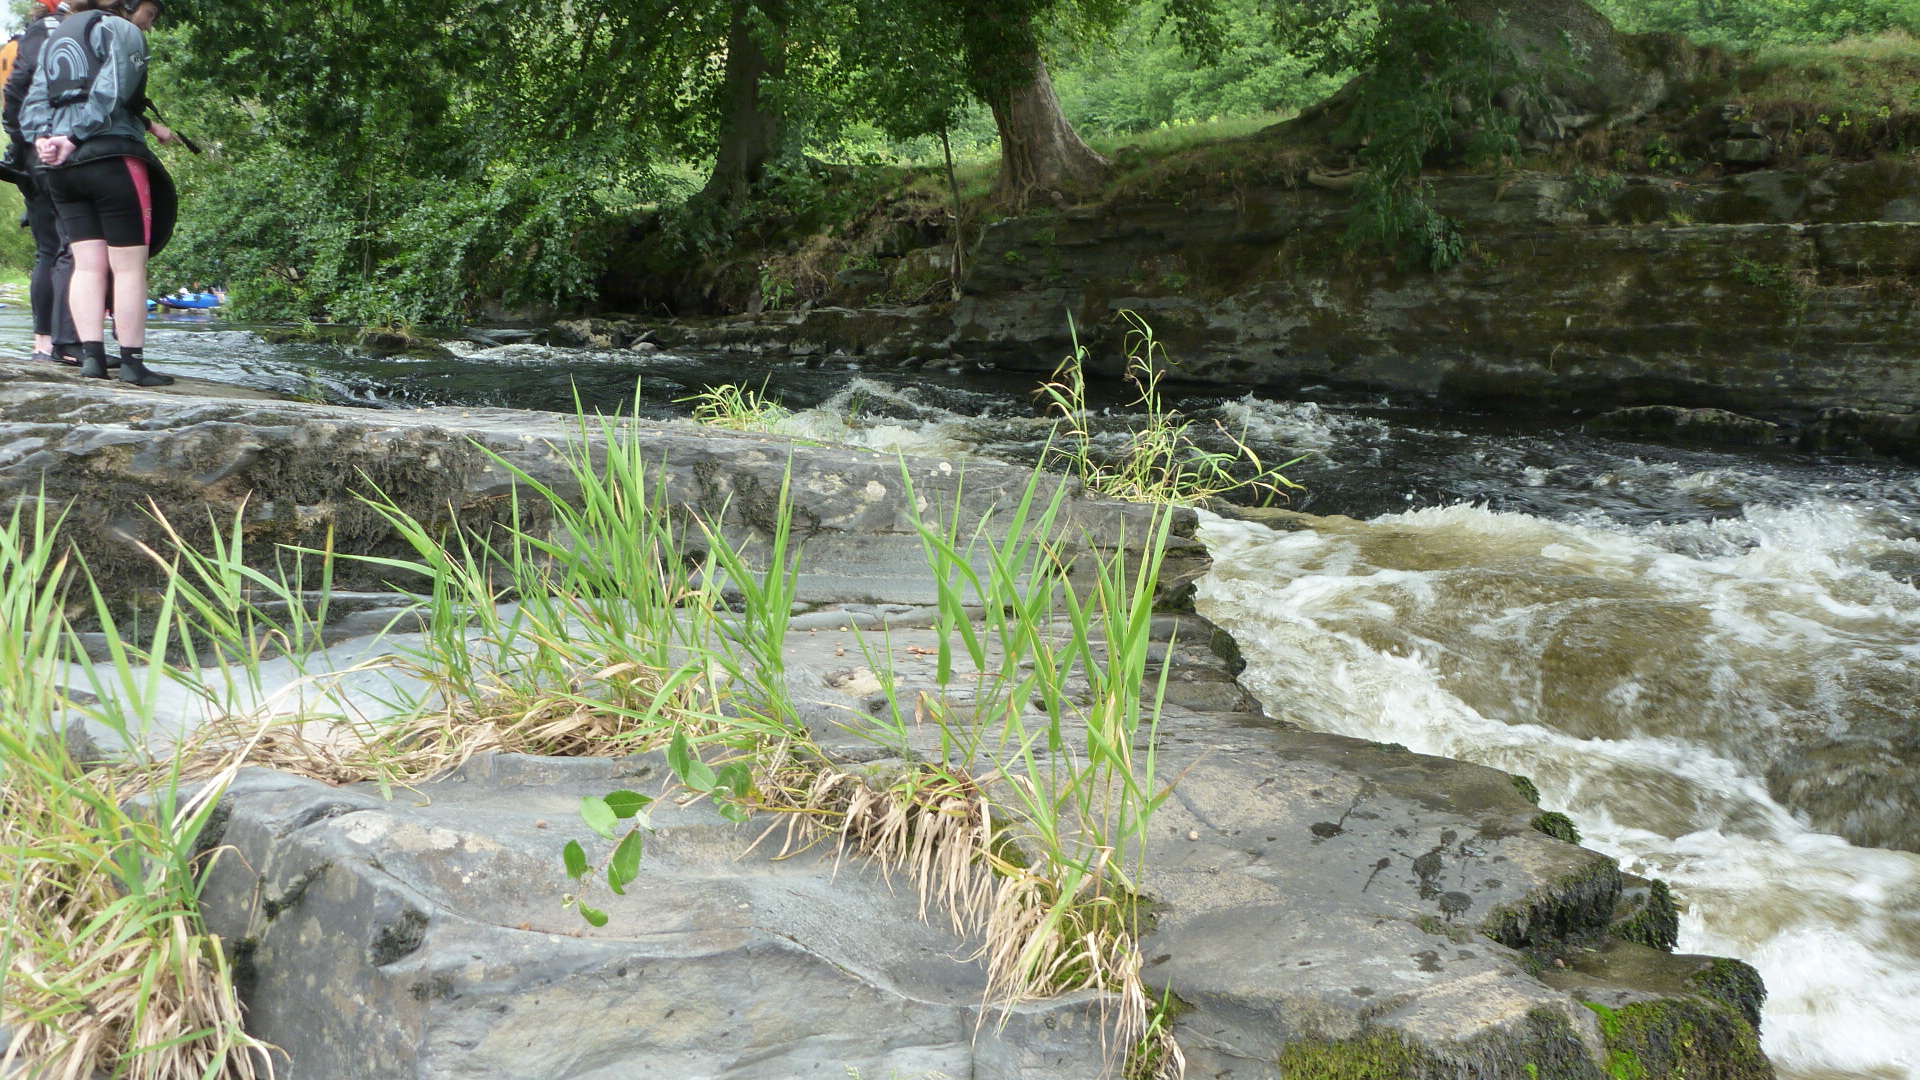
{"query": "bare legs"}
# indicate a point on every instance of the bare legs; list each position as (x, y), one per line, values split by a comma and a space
(94, 266)
(92, 259)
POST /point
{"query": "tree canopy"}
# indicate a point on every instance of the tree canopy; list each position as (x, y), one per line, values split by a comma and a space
(381, 162)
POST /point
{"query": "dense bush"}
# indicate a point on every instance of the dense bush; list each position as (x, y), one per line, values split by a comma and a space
(1766, 22)
(1142, 79)
(294, 239)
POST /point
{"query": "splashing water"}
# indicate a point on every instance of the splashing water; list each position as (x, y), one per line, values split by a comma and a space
(1653, 680)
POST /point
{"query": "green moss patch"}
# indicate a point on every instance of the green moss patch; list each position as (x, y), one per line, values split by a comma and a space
(1378, 1055)
(1655, 923)
(1557, 825)
(1690, 1038)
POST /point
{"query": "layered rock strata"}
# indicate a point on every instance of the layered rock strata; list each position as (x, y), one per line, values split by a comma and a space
(1778, 291)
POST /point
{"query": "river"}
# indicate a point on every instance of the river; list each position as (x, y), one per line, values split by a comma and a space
(1708, 658)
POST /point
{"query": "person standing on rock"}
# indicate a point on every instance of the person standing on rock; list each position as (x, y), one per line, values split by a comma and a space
(84, 112)
(54, 337)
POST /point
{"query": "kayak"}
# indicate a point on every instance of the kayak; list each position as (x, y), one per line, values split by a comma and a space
(191, 301)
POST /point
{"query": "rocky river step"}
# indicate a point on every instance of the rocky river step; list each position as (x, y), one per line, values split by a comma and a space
(1317, 906)
(1317, 902)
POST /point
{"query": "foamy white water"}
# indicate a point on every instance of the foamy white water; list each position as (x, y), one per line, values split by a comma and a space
(1646, 679)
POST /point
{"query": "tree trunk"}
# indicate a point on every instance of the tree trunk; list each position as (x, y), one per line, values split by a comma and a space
(749, 128)
(1039, 150)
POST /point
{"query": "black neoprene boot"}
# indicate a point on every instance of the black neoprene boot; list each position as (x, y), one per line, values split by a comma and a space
(93, 359)
(134, 370)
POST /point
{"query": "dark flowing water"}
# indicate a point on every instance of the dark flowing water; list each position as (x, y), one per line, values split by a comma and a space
(1647, 631)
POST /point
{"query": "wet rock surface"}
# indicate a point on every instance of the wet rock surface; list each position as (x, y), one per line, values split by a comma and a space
(296, 473)
(1313, 897)
(1668, 423)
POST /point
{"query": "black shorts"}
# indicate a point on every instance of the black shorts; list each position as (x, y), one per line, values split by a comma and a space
(126, 201)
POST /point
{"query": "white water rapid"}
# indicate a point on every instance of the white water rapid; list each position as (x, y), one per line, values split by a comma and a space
(1647, 678)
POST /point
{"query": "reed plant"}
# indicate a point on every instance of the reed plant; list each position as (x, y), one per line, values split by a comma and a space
(737, 408)
(105, 967)
(1161, 459)
(593, 620)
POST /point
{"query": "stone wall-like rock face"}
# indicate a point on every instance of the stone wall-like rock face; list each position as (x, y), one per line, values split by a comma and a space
(1767, 291)
(1549, 307)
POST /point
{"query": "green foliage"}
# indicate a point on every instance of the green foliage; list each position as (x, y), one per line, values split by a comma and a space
(1142, 77)
(1160, 459)
(293, 241)
(1557, 825)
(16, 244)
(1780, 280)
(1431, 83)
(1750, 23)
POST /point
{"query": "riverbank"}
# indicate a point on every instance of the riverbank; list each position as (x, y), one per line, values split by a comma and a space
(1419, 912)
(1751, 246)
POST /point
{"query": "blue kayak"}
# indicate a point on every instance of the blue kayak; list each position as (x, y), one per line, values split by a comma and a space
(191, 301)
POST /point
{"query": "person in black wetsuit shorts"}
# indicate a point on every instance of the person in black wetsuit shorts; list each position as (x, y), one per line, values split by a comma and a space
(84, 112)
(54, 337)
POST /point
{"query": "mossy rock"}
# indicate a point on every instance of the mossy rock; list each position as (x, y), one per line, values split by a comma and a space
(1524, 785)
(1735, 984)
(1647, 915)
(1557, 825)
(1546, 1047)
(1686, 1037)
(1669, 1016)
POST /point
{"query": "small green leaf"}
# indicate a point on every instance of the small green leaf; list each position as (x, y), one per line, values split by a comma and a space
(576, 860)
(625, 864)
(598, 815)
(736, 778)
(699, 776)
(594, 916)
(625, 804)
(732, 812)
(679, 755)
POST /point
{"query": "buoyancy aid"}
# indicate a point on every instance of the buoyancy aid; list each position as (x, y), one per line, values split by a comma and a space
(73, 62)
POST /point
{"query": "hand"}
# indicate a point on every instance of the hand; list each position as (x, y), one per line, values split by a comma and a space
(162, 132)
(53, 151)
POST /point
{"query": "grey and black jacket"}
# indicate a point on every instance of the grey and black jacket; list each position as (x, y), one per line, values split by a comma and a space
(108, 121)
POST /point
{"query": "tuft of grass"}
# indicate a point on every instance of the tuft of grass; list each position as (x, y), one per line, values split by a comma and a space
(106, 966)
(737, 408)
(595, 621)
(1160, 459)
(1028, 825)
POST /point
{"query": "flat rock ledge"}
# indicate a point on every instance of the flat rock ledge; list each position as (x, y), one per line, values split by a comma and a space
(297, 474)
(1320, 907)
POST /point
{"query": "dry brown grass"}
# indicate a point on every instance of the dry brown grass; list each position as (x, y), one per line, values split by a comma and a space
(109, 970)
(1041, 937)
(610, 712)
